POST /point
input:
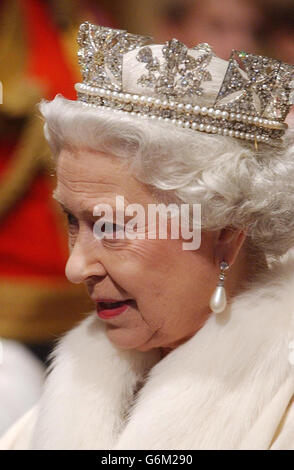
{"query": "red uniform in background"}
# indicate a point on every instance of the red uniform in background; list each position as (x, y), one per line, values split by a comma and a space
(37, 303)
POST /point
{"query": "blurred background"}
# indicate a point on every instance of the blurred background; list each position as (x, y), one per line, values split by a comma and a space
(38, 60)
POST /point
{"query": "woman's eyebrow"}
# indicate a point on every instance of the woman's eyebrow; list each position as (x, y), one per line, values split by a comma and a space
(86, 212)
(56, 197)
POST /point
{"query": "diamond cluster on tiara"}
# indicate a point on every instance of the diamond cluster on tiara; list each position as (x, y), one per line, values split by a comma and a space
(101, 52)
(252, 103)
(180, 75)
(257, 85)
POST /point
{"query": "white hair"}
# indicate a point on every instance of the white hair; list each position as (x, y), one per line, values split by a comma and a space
(236, 185)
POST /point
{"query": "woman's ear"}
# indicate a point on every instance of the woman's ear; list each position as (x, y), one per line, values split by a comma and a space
(228, 244)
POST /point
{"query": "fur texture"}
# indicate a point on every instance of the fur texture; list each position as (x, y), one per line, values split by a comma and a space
(228, 387)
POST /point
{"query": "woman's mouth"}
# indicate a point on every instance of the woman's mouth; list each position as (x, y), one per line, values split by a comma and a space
(111, 308)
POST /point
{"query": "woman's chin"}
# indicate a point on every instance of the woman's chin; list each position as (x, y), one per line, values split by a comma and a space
(129, 338)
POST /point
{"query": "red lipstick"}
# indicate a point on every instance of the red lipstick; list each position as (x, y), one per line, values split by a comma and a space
(105, 310)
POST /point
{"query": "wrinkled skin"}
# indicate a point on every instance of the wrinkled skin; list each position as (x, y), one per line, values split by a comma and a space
(171, 287)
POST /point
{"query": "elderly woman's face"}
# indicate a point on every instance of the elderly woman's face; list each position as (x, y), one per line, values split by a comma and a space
(170, 287)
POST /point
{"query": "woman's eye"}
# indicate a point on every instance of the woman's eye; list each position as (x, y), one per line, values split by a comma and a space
(71, 219)
(109, 227)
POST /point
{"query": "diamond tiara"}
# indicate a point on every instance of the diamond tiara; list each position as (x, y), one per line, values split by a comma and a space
(252, 103)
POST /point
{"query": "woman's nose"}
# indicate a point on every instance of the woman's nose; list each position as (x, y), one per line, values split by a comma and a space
(83, 263)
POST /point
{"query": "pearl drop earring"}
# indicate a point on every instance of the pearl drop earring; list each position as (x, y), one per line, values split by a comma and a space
(218, 301)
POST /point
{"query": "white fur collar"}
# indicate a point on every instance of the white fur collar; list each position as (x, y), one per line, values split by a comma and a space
(225, 388)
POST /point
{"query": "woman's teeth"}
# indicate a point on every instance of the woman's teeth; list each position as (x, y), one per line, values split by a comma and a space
(111, 305)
